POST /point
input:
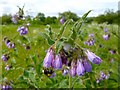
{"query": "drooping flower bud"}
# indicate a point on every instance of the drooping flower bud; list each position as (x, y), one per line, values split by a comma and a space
(112, 51)
(87, 66)
(105, 29)
(62, 20)
(91, 35)
(58, 62)
(106, 36)
(102, 75)
(93, 58)
(15, 19)
(90, 41)
(7, 67)
(48, 58)
(5, 57)
(73, 67)
(97, 81)
(7, 87)
(10, 45)
(80, 70)
(65, 71)
(73, 71)
(64, 58)
(7, 42)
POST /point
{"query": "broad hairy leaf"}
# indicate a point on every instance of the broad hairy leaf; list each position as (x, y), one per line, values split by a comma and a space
(47, 37)
(62, 29)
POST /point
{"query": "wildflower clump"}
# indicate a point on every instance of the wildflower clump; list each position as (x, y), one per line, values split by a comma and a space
(66, 55)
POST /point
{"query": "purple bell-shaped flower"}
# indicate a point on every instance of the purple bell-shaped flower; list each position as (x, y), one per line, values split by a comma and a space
(58, 62)
(5, 57)
(106, 36)
(65, 71)
(73, 69)
(87, 66)
(62, 20)
(15, 18)
(93, 58)
(80, 70)
(48, 58)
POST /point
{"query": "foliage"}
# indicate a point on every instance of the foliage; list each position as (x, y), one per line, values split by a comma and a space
(5, 19)
(109, 16)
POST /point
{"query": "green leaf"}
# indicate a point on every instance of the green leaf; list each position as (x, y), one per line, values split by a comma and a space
(32, 77)
(49, 30)
(39, 68)
(69, 41)
(47, 37)
(62, 29)
(21, 85)
(26, 73)
(34, 58)
(81, 21)
(86, 14)
(58, 47)
(73, 35)
(63, 83)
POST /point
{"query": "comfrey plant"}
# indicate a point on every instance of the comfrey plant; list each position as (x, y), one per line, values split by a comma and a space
(5, 57)
(19, 15)
(62, 20)
(8, 42)
(106, 36)
(66, 54)
(23, 29)
(102, 76)
(91, 40)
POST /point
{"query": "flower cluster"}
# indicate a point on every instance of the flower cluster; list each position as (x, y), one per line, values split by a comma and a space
(22, 30)
(106, 36)
(6, 87)
(8, 42)
(112, 51)
(8, 67)
(18, 15)
(91, 40)
(102, 77)
(52, 60)
(68, 64)
(15, 18)
(5, 57)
